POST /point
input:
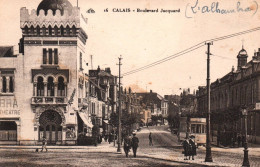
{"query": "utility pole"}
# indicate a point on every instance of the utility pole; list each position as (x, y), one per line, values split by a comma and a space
(208, 157)
(91, 58)
(119, 108)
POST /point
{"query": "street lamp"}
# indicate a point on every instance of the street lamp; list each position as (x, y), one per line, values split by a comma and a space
(246, 160)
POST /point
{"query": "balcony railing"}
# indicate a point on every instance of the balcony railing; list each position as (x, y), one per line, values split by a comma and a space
(49, 100)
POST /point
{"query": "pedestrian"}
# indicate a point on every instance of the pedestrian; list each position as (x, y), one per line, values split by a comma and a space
(135, 142)
(186, 147)
(127, 145)
(44, 144)
(193, 147)
(238, 140)
(150, 139)
(110, 138)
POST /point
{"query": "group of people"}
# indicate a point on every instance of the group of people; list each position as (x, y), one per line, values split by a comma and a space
(130, 143)
(189, 147)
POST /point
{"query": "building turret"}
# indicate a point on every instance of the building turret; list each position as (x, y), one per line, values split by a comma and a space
(241, 58)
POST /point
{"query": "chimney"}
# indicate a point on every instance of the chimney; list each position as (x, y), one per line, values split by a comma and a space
(108, 70)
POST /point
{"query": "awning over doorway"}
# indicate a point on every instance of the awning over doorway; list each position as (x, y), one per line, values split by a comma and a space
(84, 118)
(106, 121)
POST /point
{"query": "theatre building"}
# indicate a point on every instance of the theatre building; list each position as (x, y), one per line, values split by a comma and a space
(44, 85)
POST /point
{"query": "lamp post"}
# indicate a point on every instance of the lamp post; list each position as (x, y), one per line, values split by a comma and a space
(246, 160)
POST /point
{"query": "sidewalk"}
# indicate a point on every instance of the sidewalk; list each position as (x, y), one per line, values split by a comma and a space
(174, 156)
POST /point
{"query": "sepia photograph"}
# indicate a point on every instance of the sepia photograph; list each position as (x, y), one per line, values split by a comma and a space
(133, 83)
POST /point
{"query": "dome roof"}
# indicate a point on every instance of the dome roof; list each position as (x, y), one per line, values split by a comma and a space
(54, 5)
(242, 52)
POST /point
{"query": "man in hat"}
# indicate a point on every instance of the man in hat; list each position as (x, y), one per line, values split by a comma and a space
(150, 139)
(135, 142)
(127, 145)
(186, 149)
(193, 150)
(44, 144)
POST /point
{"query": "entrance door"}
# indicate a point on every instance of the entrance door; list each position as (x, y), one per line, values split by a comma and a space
(8, 131)
(50, 127)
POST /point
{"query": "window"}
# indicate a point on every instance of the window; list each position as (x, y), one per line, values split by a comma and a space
(4, 84)
(44, 56)
(61, 87)
(7, 81)
(55, 56)
(50, 87)
(50, 56)
(40, 86)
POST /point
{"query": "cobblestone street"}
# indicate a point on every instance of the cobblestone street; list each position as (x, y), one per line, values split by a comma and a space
(166, 151)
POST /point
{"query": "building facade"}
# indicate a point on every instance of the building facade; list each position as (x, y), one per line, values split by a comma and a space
(44, 87)
(236, 90)
(156, 103)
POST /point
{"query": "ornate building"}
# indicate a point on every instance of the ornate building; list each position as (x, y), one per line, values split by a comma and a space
(229, 94)
(44, 89)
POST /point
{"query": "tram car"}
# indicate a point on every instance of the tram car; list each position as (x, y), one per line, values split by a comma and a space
(195, 127)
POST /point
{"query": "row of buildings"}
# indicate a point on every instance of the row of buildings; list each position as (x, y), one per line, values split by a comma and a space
(239, 89)
(47, 89)
(236, 90)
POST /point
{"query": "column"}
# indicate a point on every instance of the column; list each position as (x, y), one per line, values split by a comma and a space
(7, 83)
(45, 88)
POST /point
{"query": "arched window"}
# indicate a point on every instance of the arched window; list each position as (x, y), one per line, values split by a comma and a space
(61, 31)
(55, 31)
(43, 30)
(11, 85)
(38, 30)
(61, 86)
(50, 31)
(26, 30)
(40, 86)
(4, 84)
(50, 87)
(31, 31)
(67, 31)
(73, 30)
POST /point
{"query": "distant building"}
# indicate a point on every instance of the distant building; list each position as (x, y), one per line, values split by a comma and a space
(229, 94)
(156, 103)
(103, 97)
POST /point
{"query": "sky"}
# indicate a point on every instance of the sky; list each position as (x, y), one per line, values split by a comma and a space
(145, 37)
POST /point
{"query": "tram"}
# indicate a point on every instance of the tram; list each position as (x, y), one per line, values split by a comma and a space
(195, 127)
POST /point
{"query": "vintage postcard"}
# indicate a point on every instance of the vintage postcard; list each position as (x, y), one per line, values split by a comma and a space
(129, 83)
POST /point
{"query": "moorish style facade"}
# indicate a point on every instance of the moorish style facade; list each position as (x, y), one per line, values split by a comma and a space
(44, 87)
(238, 89)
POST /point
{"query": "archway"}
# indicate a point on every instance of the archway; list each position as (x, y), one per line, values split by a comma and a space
(50, 126)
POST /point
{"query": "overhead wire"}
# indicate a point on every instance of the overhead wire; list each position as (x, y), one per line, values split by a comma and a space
(189, 50)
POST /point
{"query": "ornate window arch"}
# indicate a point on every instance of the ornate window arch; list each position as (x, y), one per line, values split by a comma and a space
(40, 86)
(61, 86)
(50, 86)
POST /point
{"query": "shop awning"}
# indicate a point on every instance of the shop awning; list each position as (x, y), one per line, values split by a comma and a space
(106, 121)
(84, 118)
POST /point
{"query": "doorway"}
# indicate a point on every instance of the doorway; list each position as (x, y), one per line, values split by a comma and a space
(50, 127)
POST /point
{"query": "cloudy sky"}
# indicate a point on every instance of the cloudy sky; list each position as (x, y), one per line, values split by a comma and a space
(143, 38)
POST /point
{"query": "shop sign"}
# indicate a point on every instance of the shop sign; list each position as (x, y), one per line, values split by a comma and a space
(8, 106)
